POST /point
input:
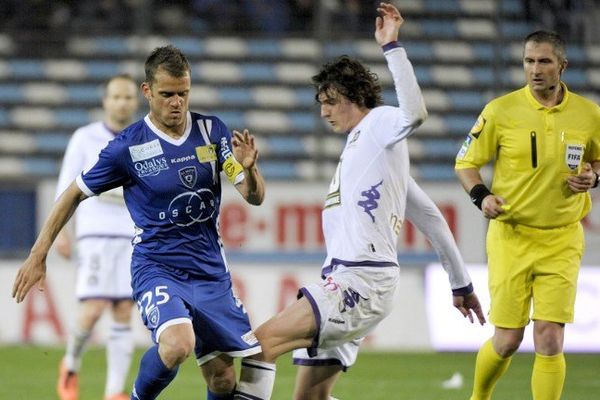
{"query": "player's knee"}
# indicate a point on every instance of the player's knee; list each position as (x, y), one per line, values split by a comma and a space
(507, 347)
(221, 382)
(173, 354)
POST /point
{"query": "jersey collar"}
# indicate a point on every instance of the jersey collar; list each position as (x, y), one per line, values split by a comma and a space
(539, 106)
(167, 138)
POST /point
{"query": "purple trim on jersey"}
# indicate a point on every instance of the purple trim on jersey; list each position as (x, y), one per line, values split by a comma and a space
(312, 350)
(328, 269)
(102, 236)
(317, 362)
(391, 46)
(245, 396)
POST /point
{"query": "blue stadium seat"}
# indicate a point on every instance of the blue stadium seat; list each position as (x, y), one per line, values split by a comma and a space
(31, 69)
(11, 93)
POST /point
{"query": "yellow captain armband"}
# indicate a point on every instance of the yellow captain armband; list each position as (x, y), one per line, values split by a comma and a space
(232, 169)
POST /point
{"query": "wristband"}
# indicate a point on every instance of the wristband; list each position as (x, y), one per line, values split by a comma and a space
(463, 291)
(478, 193)
(595, 185)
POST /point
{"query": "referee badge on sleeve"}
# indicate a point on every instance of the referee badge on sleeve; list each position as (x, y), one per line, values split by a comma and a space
(464, 147)
(478, 127)
(574, 156)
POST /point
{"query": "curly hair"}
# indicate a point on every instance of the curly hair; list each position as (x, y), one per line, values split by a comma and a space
(351, 79)
(170, 58)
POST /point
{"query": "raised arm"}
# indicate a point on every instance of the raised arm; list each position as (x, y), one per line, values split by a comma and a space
(426, 216)
(252, 188)
(410, 99)
(33, 270)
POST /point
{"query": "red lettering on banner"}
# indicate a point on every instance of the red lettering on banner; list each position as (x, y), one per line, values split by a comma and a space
(288, 291)
(233, 221)
(304, 221)
(33, 316)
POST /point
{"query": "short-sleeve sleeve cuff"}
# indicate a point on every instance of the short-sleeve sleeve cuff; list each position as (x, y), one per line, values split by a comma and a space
(84, 188)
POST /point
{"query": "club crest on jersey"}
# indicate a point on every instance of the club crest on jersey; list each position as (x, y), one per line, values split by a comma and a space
(370, 202)
(188, 176)
(145, 151)
(574, 155)
(153, 317)
(478, 127)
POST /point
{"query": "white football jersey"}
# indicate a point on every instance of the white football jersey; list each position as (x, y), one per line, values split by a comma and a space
(104, 215)
(364, 210)
(365, 206)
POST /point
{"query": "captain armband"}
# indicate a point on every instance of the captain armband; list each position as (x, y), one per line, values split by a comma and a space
(232, 169)
(478, 193)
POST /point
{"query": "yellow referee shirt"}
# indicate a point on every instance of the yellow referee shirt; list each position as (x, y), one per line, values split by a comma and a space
(535, 148)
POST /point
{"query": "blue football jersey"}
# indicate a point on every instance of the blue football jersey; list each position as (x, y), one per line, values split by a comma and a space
(172, 188)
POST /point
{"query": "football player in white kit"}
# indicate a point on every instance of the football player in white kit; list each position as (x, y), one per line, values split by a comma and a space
(369, 198)
(103, 231)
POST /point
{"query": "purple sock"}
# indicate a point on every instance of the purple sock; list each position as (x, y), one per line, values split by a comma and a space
(153, 376)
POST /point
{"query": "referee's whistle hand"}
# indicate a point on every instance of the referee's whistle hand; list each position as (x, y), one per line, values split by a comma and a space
(492, 206)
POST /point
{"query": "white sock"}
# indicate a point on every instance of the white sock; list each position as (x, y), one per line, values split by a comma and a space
(119, 351)
(256, 380)
(75, 348)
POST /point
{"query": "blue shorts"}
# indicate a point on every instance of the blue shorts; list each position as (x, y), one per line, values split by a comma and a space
(221, 325)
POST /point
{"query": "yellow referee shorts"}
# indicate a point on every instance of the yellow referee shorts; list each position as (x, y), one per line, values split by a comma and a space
(526, 264)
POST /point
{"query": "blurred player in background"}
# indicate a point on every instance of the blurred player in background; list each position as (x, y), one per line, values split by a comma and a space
(104, 230)
(546, 144)
(169, 164)
(369, 198)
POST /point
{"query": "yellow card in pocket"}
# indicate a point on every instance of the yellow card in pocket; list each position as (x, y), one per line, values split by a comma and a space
(207, 153)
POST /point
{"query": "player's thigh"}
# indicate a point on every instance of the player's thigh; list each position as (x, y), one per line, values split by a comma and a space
(176, 341)
(292, 328)
(555, 275)
(510, 263)
(316, 382)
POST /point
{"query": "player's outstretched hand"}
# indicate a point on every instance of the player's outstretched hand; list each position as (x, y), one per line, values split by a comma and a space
(244, 149)
(387, 24)
(32, 272)
(467, 305)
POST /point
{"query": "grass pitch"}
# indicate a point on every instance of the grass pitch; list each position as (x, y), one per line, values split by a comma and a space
(29, 373)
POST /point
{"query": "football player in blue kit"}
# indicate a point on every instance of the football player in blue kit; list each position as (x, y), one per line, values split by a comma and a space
(169, 165)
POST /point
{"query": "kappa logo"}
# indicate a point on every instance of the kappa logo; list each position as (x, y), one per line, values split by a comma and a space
(188, 176)
(371, 197)
(145, 151)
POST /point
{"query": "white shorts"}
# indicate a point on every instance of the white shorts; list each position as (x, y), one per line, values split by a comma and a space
(348, 305)
(104, 268)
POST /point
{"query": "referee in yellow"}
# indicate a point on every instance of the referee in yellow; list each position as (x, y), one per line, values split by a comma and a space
(545, 145)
